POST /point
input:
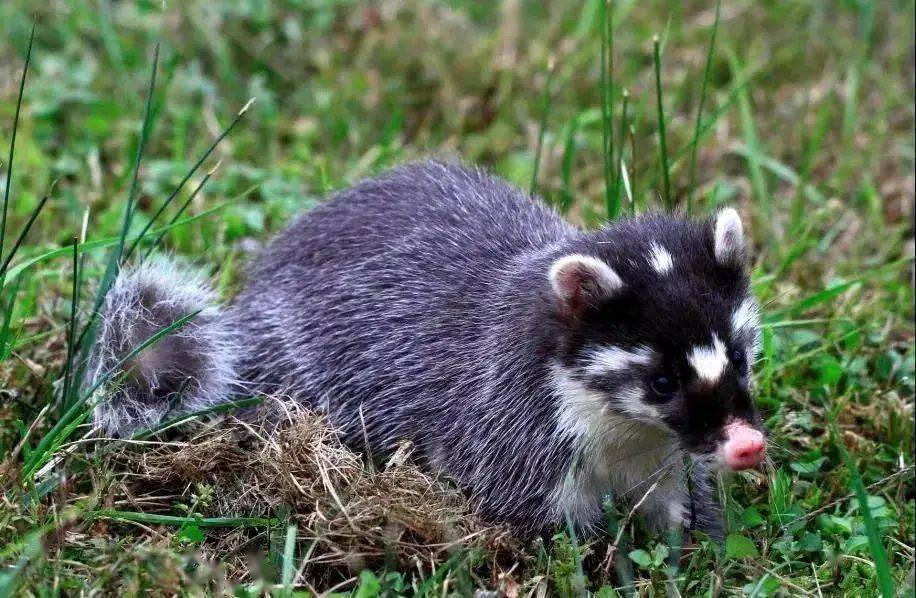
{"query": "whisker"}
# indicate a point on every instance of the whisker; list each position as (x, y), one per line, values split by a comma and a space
(776, 445)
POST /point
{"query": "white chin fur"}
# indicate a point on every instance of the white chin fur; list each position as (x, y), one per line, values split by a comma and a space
(621, 455)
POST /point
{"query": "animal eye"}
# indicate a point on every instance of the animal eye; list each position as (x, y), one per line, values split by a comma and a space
(739, 360)
(663, 385)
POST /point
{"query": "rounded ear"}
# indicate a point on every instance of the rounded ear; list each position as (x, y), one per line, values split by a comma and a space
(728, 238)
(580, 281)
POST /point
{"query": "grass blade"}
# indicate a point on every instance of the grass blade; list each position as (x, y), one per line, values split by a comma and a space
(613, 207)
(25, 230)
(165, 229)
(783, 172)
(579, 579)
(630, 184)
(289, 560)
(71, 332)
(186, 417)
(6, 344)
(864, 30)
(752, 141)
(618, 166)
(662, 144)
(882, 567)
(712, 120)
(31, 548)
(569, 150)
(181, 210)
(16, 271)
(696, 131)
(836, 288)
(114, 261)
(812, 141)
(607, 105)
(156, 519)
(603, 91)
(628, 192)
(707, 126)
(9, 162)
(187, 176)
(65, 425)
(542, 128)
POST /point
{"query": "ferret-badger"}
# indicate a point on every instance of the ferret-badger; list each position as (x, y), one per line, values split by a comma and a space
(540, 366)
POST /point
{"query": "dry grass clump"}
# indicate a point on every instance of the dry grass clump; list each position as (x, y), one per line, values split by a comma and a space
(285, 462)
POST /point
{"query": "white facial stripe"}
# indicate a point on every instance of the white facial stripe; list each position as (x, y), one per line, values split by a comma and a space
(630, 399)
(709, 361)
(584, 413)
(616, 359)
(580, 413)
(660, 259)
(746, 320)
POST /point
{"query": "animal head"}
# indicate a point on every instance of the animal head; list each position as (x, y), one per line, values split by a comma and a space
(657, 324)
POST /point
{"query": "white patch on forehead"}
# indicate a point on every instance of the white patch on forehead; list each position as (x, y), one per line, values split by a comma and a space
(709, 361)
(660, 259)
(616, 359)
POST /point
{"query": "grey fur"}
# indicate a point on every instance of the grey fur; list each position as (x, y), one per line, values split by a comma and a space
(197, 361)
(415, 306)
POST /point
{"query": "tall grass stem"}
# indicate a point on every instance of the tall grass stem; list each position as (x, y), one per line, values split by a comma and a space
(187, 176)
(662, 143)
(618, 164)
(696, 131)
(114, 260)
(542, 126)
(25, 229)
(12, 153)
(71, 329)
(876, 548)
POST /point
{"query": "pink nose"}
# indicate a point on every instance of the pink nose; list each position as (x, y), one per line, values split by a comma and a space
(744, 447)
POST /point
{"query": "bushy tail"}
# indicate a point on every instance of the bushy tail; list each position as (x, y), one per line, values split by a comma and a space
(190, 368)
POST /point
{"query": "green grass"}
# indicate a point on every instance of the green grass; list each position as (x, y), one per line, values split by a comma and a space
(799, 114)
(662, 140)
(696, 135)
